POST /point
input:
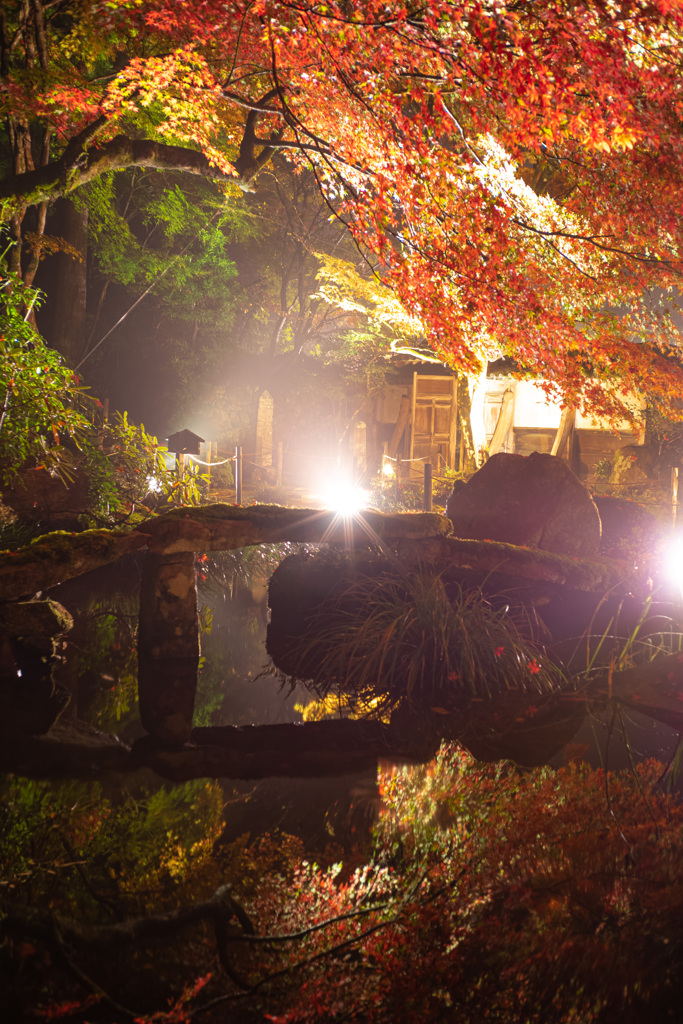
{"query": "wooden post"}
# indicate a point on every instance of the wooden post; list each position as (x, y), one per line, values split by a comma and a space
(503, 423)
(427, 498)
(401, 424)
(209, 445)
(105, 411)
(567, 420)
(238, 474)
(279, 462)
(398, 476)
(674, 494)
(453, 426)
(168, 645)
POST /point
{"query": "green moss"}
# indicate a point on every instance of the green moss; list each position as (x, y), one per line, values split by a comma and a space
(62, 546)
(217, 511)
(577, 572)
(425, 524)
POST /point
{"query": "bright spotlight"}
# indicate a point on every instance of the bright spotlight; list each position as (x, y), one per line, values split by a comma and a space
(388, 470)
(345, 499)
(674, 564)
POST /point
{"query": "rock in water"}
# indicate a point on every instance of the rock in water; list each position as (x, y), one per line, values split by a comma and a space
(630, 532)
(533, 501)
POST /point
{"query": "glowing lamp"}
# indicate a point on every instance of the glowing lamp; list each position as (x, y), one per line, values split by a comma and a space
(345, 499)
(674, 564)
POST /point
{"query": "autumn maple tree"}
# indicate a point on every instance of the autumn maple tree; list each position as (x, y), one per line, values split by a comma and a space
(485, 894)
(514, 167)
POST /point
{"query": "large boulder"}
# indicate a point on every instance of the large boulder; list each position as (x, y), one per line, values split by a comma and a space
(37, 497)
(532, 501)
(633, 466)
(630, 532)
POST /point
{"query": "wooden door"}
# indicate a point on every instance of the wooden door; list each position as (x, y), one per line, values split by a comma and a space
(433, 419)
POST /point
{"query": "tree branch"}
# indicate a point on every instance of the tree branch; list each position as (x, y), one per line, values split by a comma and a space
(64, 175)
(219, 910)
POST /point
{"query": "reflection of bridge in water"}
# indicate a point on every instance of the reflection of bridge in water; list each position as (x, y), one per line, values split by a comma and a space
(568, 591)
(168, 648)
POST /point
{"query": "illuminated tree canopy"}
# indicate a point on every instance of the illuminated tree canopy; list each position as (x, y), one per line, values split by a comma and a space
(516, 168)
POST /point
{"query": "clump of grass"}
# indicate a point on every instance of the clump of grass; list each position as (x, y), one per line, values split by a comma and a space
(15, 534)
(388, 640)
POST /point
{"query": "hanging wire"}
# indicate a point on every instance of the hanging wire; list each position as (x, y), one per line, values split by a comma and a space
(154, 283)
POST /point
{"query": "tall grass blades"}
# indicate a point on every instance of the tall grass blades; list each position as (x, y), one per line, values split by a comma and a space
(394, 639)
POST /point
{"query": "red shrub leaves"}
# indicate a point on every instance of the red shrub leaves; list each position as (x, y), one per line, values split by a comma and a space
(495, 895)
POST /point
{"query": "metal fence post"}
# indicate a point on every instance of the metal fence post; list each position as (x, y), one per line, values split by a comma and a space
(427, 497)
(238, 474)
(279, 462)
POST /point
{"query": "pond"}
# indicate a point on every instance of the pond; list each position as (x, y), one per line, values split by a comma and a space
(238, 685)
(323, 861)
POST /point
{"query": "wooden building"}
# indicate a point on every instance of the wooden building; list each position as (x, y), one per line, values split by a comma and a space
(416, 419)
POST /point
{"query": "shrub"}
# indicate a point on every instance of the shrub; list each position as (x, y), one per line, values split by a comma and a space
(47, 421)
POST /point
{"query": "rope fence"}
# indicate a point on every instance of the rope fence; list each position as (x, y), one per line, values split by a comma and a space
(273, 457)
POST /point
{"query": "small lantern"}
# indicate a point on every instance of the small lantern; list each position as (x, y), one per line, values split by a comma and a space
(184, 442)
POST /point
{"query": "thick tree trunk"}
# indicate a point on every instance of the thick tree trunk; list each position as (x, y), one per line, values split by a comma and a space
(464, 405)
(64, 316)
(63, 176)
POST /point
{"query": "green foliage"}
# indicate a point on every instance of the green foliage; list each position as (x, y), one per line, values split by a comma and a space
(361, 357)
(15, 534)
(128, 471)
(132, 850)
(221, 476)
(175, 247)
(222, 571)
(665, 435)
(410, 497)
(145, 232)
(47, 420)
(42, 403)
(603, 469)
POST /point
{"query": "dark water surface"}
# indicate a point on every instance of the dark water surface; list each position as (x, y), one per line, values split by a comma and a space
(237, 685)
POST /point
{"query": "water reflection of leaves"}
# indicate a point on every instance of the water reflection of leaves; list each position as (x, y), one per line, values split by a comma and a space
(222, 571)
(105, 663)
(232, 687)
